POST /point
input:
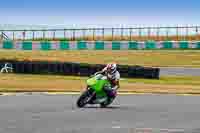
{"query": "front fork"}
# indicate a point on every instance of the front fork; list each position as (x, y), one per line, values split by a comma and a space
(91, 93)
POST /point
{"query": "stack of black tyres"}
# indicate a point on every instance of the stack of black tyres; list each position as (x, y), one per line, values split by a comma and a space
(78, 69)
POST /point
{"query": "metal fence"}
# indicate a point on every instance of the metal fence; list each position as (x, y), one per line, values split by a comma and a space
(106, 34)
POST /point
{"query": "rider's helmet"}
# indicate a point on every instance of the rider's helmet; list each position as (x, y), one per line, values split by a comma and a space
(111, 68)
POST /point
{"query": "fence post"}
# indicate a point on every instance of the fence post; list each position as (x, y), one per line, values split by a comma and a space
(122, 34)
(84, 37)
(24, 34)
(186, 36)
(43, 34)
(177, 33)
(74, 34)
(197, 33)
(93, 34)
(149, 33)
(13, 35)
(158, 34)
(54, 34)
(103, 32)
(64, 33)
(130, 38)
(33, 37)
(140, 33)
(112, 33)
(167, 33)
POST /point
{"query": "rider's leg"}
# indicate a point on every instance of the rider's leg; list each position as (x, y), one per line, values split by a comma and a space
(110, 93)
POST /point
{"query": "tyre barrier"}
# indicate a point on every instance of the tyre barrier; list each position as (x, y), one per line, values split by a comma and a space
(6, 68)
(77, 69)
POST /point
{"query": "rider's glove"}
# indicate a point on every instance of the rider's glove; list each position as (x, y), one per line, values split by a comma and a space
(115, 87)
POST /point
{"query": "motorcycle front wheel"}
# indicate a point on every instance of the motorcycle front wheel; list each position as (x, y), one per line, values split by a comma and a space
(84, 99)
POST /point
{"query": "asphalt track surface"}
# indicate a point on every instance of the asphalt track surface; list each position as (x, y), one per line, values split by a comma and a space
(128, 114)
(179, 71)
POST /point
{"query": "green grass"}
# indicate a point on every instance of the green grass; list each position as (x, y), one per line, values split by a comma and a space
(152, 58)
(169, 80)
(35, 83)
(164, 80)
(173, 80)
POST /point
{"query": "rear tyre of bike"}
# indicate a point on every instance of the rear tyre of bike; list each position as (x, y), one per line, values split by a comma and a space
(83, 99)
(105, 104)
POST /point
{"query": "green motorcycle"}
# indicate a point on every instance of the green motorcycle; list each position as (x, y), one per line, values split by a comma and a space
(95, 94)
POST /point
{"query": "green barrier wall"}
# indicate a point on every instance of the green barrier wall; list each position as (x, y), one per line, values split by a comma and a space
(198, 45)
(27, 45)
(150, 45)
(133, 45)
(64, 45)
(81, 45)
(167, 45)
(45, 46)
(99, 45)
(8, 45)
(116, 45)
(184, 45)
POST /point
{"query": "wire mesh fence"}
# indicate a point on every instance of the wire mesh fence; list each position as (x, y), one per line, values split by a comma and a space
(106, 34)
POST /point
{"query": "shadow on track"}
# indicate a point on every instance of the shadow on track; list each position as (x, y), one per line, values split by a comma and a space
(96, 107)
(114, 107)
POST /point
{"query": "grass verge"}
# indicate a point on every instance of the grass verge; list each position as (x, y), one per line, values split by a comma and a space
(151, 58)
(52, 83)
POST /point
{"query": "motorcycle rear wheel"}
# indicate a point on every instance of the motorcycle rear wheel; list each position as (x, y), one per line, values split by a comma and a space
(105, 104)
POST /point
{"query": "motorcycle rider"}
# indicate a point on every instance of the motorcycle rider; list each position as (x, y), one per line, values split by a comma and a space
(113, 76)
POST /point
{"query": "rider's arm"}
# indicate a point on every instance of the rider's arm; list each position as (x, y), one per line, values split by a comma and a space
(116, 85)
(116, 82)
(101, 72)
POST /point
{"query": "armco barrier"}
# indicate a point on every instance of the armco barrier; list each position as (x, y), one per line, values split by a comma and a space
(78, 69)
(98, 45)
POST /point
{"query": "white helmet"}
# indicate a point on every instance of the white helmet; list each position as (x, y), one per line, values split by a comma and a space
(111, 68)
